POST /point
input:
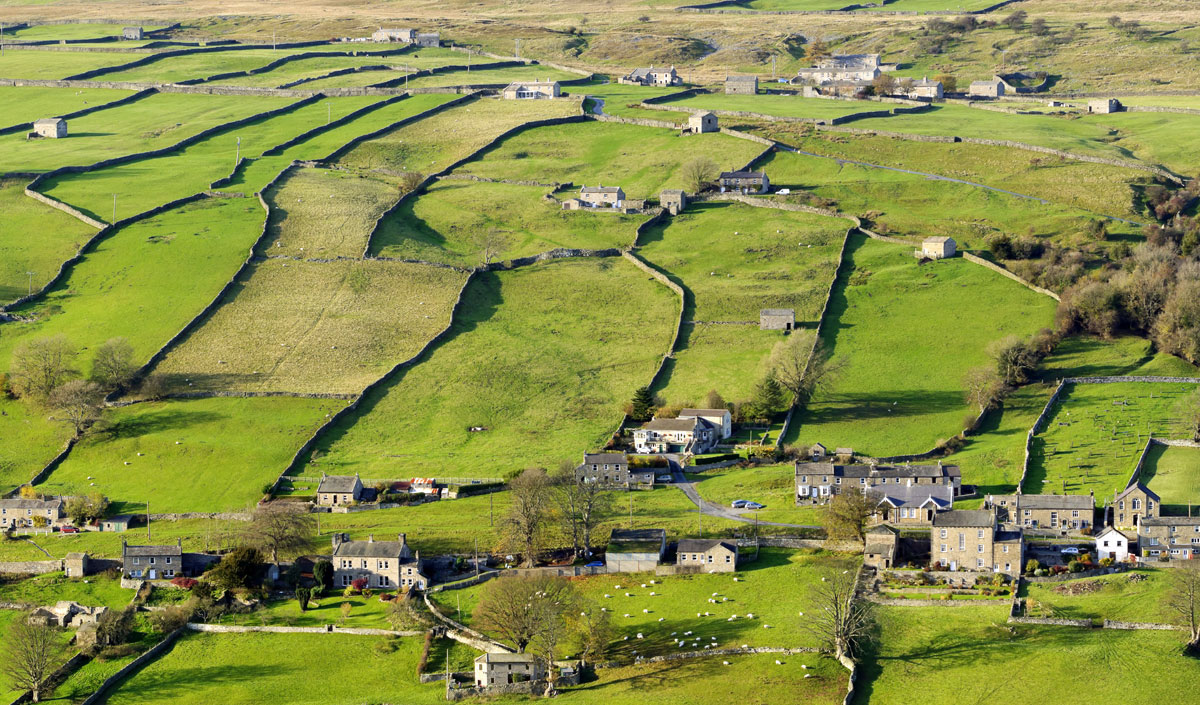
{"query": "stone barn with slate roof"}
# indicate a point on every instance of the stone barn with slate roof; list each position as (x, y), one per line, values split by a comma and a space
(777, 319)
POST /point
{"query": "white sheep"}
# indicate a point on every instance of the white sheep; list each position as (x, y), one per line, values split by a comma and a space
(804, 666)
(724, 663)
(645, 611)
(808, 675)
(661, 618)
(639, 635)
(778, 662)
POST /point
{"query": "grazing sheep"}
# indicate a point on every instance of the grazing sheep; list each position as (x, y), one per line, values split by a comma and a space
(778, 662)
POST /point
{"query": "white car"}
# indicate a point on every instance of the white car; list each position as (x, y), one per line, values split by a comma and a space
(1069, 550)
(739, 503)
(754, 505)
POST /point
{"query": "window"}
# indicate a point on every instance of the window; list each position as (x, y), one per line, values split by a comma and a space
(1121, 504)
(804, 479)
(978, 562)
(136, 560)
(962, 541)
(151, 560)
(346, 580)
(1075, 513)
(1028, 513)
(1106, 544)
(728, 557)
(943, 533)
(1137, 504)
(1005, 549)
(1149, 505)
(979, 548)
(979, 534)
(943, 548)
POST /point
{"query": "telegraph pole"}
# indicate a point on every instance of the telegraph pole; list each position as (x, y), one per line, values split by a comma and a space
(147, 521)
(114, 218)
(30, 292)
(237, 155)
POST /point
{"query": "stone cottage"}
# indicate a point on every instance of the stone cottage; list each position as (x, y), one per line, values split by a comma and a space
(777, 319)
(386, 565)
(848, 68)
(506, 668)
(134, 33)
(21, 513)
(993, 88)
(408, 36)
(882, 547)
(692, 435)
(925, 89)
(152, 562)
(970, 540)
(818, 481)
(612, 469)
(635, 550)
(1054, 512)
(602, 196)
(699, 123)
(721, 419)
(744, 181)
(337, 490)
(741, 85)
(532, 90)
(1177, 538)
(54, 128)
(674, 200)
(938, 247)
(1104, 106)
(910, 504)
(651, 77)
(707, 555)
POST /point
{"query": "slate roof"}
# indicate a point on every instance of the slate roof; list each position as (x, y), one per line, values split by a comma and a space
(1137, 486)
(742, 175)
(777, 312)
(741, 79)
(341, 484)
(505, 657)
(637, 541)
(602, 458)
(21, 503)
(965, 518)
(1009, 537)
(910, 495)
(48, 121)
(703, 545)
(673, 424)
(938, 239)
(703, 412)
(1046, 501)
(169, 550)
(1170, 521)
(864, 470)
(369, 549)
(600, 189)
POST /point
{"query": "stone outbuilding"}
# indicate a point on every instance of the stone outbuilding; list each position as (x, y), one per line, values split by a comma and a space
(741, 85)
(429, 40)
(75, 565)
(744, 181)
(1104, 106)
(406, 36)
(337, 490)
(938, 247)
(133, 33)
(635, 550)
(602, 196)
(702, 122)
(54, 128)
(993, 88)
(673, 200)
(532, 90)
(882, 547)
(777, 319)
(119, 522)
(707, 555)
(505, 668)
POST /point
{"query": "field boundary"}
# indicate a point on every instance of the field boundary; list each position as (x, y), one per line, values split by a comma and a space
(729, 7)
(662, 103)
(138, 95)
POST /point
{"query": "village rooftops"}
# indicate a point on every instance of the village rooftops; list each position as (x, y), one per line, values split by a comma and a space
(941, 496)
(602, 458)
(1136, 486)
(600, 189)
(863, 470)
(1045, 501)
(1007, 536)
(1170, 521)
(338, 484)
(703, 545)
(965, 518)
(372, 549)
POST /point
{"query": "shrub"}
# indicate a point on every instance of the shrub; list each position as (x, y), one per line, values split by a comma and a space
(1075, 566)
(359, 584)
(109, 653)
(184, 582)
(168, 620)
(1040, 573)
(1106, 562)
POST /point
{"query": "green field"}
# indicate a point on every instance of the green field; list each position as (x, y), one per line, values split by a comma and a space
(27, 263)
(453, 222)
(315, 327)
(37, 440)
(485, 76)
(314, 67)
(154, 122)
(970, 655)
(197, 455)
(53, 65)
(641, 160)
(172, 69)
(622, 100)
(772, 588)
(308, 201)
(787, 106)
(1095, 433)
(882, 403)
(732, 261)
(247, 669)
(139, 185)
(85, 30)
(365, 612)
(1169, 139)
(1116, 597)
(897, 6)
(542, 357)
(29, 103)
(1173, 473)
(772, 485)
(52, 587)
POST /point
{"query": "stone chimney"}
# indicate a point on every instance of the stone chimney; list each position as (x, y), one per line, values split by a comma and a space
(370, 538)
(336, 539)
(403, 539)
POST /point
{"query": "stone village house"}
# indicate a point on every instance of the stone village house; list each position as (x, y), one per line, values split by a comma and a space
(602, 196)
(882, 547)
(532, 90)
(910, 504)
(818, 481)
(674, 200)
(20, 513)
(1057, 512)
(707, 555)
(859, 68)
(744, 181)
(386, 565)
(506, 668)
(337, 490)
(971, 540)
(1134, 504)
(152, 562)
(679, 435)
(719, 418)
(652, 77)
(612, 469)
(1177, 538)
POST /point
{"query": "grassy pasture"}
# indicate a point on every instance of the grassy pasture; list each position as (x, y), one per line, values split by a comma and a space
(1096, 432)
(197, 455)
(190, 66)
(1173, 473)
(73, 31)
(29, 103)
(446, 223)
(315, 327)
(898, 6)
(1169, 139)
(32, 439)
(732, 261)
(779, 105)
(49, 588)
(139, 185)
(641, 160)
(969, 654)
(48, 64)
(479, 77)
(128, 286)
(247, 669)
(325, 213)
(1118, 598)
(707, 682)
(33, 238)
(883, 403)
(542, 357)
(773, 588)
(772, 485)
(321, 65)
(432, 144)
(621, 100)
(366, 612)
(151, 123)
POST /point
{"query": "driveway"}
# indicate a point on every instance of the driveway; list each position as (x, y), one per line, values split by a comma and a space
(713, 509)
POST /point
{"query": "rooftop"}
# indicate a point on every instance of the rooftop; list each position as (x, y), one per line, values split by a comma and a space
(600, 189)
(338, 483)
(657, 424)
(864, 470)
(505, 657)
(777, 312)
(908, 495)
(704, 545)
(1137, 486)
(22, 503)
(703, 412)
(964, 518)
(1046, 501)
(742, 175)
(740, 79)
(371, 549)
(610, 458)
(1170, 521)
(169, 550)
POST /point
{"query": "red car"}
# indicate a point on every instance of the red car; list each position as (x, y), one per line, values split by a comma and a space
(69, 530)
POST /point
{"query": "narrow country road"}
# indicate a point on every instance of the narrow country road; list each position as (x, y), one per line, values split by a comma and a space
(712, 509)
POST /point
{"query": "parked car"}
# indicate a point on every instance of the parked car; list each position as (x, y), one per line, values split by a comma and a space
(754, 505)
(663, 478)
(1069, 550)
(69, 530)
(594, 564)
(739, 503)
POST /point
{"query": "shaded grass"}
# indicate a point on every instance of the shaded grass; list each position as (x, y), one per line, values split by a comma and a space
(542, 357)
(1173, 473)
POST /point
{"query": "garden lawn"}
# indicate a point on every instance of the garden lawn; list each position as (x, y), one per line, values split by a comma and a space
(128, 285)
(140, 185)
(29, 103)
(749, 680)
(901, 389)
(774, 588)
(1173, 473)
(53, 65)
(1095, 433)
(154, 122)
(541, 358)
(433, 144)
(772, 485)
(968, 654)
(50, 588)
(1118, 598)
(196, 455)
(301, 669)
(453, 221)
(34, 238)
(365, 612)
(309, 327)
(641, 160)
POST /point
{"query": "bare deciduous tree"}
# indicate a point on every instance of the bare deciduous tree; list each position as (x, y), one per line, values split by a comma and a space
(842, 623)
(699, 173)
(848, 514)
(792, 368)
(410, 181)
(32, 651)
(522, 610)
(78, 403)
(1184, 599)
(984, 388)
(581, 506)
(491, 244)
(528, 516)
(113, 365)
(280, 527)
(40, 366)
